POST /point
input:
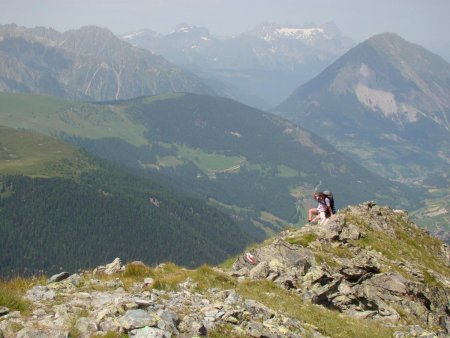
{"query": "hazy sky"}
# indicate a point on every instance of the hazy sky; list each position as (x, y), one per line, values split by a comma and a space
(425, 22)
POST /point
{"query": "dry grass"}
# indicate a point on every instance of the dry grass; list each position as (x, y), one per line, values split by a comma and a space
(12, 291)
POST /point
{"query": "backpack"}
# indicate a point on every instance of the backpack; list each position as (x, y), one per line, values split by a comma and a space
(329, 195)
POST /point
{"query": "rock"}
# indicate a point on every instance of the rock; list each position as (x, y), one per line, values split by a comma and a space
(136, 319)
(58, 277)
(74, 279)
(39, 293)
(3, 311)
(168, 321)
(86, 325)
(148, 282)
(149, 332)
(260, 271)
(349, 232)
(258, 311)
(31, 333)
(113, 267)
(110, 325)
(255, 329)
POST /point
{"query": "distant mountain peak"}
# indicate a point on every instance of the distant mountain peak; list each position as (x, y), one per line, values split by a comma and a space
(191, 29)
(305, 33)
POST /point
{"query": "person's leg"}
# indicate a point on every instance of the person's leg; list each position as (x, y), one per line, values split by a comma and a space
(323, 218)
(312, 212)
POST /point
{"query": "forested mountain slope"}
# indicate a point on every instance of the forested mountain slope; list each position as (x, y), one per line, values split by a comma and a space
(62, 207)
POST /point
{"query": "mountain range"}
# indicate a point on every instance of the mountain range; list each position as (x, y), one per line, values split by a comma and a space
(260, 67)
(89, 63)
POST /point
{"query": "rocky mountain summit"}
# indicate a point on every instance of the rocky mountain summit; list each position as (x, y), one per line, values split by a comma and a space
(369, 271)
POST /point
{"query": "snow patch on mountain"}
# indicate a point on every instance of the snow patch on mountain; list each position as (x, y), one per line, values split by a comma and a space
(133, 35)
(303, 34)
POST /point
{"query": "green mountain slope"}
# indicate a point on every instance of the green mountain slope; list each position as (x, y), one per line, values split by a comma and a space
(260, 168)
(61, 207)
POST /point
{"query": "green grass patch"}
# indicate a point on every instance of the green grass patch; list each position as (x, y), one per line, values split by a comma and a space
(208, 278)
(33, 154)
(151, 99)
(48, 115)
(328, 322)
(303, 239)
(169, 161)
(168, 276)
(211, 163)
(285, 171)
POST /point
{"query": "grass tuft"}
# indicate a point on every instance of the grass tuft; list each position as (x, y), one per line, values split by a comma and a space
(207, 278)
(303, 239)
(11, 293)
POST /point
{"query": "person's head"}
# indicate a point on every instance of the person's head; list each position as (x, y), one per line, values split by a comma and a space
(320, 196)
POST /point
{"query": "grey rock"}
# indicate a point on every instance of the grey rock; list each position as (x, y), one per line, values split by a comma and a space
(258, 310)
(31, 333)
(149, 332)
(136, 319)
(86, 325)
(58, 277)
(349, 232)
(110, 325)
(113, 267)
(39, 293)
(260, 271)
(255, 329)
(232, 298)
(168, 321)
(74, 279)
(3, 311)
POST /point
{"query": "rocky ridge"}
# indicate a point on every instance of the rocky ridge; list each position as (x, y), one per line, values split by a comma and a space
(368, 263)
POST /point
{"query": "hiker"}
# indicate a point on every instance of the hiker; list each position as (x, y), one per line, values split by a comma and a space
(324, 208)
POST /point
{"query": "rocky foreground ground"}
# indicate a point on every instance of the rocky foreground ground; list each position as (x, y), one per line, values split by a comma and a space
(369, 265)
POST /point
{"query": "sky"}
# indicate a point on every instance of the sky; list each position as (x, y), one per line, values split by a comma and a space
(425, 22)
